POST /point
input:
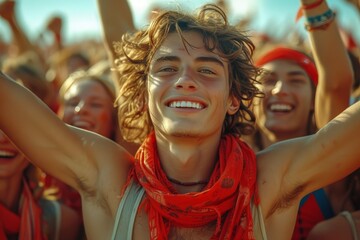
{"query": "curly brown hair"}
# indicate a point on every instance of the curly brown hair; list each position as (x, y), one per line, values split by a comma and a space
(136, 50)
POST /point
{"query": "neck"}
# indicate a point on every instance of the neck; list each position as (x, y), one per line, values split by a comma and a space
(188, 184)
(185, 187)
(10, 191)
(187, 161)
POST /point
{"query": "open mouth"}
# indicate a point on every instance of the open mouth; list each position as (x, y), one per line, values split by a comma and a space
(280, 107)
(186, 104)
(82, 124)
(4, 154)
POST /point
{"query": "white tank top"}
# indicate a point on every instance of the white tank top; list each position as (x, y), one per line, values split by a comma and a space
(129, 204)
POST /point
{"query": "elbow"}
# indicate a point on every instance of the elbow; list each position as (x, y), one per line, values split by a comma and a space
(341, 82)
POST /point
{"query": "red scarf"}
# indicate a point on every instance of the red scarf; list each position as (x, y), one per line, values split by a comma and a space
(225, 199)
(27, 225)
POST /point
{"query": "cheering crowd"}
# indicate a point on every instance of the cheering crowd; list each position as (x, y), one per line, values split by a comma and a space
(190, 128)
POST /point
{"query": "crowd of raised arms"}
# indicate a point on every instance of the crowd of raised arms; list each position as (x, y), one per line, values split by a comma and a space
(191, 127)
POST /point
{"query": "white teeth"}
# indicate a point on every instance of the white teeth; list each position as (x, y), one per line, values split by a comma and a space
(81, 124)
(280, 107)
(185, 104)
(6, 154)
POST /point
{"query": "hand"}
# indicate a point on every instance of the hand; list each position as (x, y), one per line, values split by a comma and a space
(55, 24)
(7, 10)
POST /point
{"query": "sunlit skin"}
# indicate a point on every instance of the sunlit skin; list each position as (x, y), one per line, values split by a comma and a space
(88, 105)
(187, 143)
(197, 78)
(284, 111)
(188, 99)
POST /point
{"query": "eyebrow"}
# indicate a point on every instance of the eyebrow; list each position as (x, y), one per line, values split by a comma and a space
(291, 73)
(210, 59)
(294, 73)
(198, 59)
(167, 59)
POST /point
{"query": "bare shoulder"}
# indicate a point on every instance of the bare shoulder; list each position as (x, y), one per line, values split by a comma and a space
(102, 153)
(280, 186)
(113, 173)
(101, 183)
(334, 228)
(105, 168)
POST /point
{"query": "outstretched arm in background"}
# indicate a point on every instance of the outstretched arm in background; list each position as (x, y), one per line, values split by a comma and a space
(333, 65)
(290, 169)
(77, 157)
(21, 41)
(116, 19)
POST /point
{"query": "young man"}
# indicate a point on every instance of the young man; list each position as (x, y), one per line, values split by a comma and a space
(186, 88)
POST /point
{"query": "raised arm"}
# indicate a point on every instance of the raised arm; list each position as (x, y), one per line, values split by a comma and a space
(302, 165)
(72, 155)
(333, 65)
(334, 151)
(7, 12)
(116, 19)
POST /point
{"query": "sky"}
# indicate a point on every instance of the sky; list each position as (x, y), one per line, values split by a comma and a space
(274, 17)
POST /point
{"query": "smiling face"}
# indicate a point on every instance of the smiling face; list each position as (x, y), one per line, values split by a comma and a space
(288, 100)
(188, 91)
(12, 161)
(88, 105)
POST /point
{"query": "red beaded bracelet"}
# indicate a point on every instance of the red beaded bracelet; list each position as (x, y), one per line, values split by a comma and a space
(300, 12)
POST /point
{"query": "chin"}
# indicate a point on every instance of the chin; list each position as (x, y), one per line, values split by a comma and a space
(185, 133)
(278, 126)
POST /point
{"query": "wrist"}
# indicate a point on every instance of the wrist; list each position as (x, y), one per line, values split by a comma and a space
(320, 21)
(311, 7)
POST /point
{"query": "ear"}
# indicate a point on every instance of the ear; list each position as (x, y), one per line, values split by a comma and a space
(233, 105)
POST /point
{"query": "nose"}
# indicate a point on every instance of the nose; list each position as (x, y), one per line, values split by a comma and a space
(279, 88)
(186, 81)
